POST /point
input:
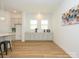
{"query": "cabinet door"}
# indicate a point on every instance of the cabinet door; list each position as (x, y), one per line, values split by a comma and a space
(18, 32)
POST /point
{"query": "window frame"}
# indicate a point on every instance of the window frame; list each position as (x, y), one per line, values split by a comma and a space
(44, 25)
(33, 25)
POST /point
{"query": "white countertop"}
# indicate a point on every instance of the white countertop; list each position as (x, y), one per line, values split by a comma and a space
(6, 34)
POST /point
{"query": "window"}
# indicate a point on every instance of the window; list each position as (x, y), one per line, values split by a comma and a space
(33, 24)
(44, 24)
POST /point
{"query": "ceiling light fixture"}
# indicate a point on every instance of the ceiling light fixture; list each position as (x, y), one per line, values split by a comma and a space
(39, 16)
(2, 18)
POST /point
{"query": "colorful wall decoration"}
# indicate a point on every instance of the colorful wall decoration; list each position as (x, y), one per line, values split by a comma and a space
(71, 17)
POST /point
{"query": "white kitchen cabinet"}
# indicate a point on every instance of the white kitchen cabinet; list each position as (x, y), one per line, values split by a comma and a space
(18, 32)
(38, 36)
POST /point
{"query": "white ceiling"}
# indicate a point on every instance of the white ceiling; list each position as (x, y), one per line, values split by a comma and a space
(31, 5)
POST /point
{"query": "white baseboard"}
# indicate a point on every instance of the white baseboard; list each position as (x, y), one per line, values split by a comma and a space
(70, 53)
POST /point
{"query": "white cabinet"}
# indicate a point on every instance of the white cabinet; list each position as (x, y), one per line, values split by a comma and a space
(16, 18)
(18, 32)
(38, 36)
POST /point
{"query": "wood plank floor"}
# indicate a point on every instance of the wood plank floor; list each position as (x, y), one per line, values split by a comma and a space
(36, 49)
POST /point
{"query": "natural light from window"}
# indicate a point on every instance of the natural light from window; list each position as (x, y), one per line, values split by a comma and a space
(33, 24)
(44, 24)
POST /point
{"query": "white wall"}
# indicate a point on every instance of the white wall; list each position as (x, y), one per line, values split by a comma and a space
(5, 24)
(67, 37)
(32, 16)
(29, 16)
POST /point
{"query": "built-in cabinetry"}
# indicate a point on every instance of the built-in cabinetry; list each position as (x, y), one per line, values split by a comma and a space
(38, 36)
(16, 22)
(18, 32)
(16, 18)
